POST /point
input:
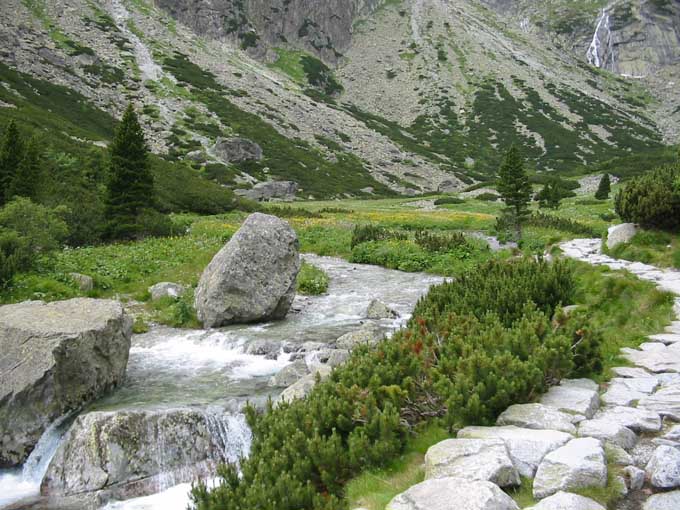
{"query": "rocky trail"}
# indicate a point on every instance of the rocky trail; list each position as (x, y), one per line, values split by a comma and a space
(620, 437)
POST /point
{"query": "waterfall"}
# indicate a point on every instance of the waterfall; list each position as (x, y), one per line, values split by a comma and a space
(231, 434)
(601, 48)
(18, 484)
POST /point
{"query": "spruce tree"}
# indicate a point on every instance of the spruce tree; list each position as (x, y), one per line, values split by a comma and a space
(130, 188)
(604, 188)
(515, 188)
(550, 196)
(26, 179)
(11, 154)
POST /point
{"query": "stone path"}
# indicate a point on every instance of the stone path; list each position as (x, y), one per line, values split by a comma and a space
(620, 437)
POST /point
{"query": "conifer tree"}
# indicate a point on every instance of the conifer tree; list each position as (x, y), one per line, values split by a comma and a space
(551, 195)
(515, 188)
(130, 188)
(604, 188)
(26, 179)
(11, 154)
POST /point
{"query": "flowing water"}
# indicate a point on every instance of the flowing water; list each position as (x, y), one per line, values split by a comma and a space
(170, 368)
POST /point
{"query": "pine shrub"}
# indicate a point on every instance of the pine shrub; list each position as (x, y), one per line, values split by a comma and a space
(369, 232)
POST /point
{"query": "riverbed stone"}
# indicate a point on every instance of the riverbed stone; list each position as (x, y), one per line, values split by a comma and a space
(253, 277)
(526, 447)
(567, 501)
(620, 234)
(663, 469)
(55, 358)
(166, 289)
(608, 431)
(577, 397)
(638, 420)
(368, 333)
(305, 385)
(579, 464)
(664, 501)
(537, 416)
(378, 310)
(450, 493)
(128, 453)
(290, 374)
(666, 402)
(472, 459)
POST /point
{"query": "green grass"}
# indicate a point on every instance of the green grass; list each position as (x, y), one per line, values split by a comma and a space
(311, 280)
(651, 247)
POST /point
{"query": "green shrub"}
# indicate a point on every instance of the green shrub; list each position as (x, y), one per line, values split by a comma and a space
(42, 228)
(564, 224)
(488, 197)
(370, 232)
(311, 280)
(652, 199)
(465, 368)
(436, 242)
(14, 255)
(449, 201)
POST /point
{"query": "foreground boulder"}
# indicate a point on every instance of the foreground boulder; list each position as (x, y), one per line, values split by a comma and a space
(253, 277)
(55, 358)
(663, 469)
(567, 501)
(620, 234)
(134, 453)
(453, 493)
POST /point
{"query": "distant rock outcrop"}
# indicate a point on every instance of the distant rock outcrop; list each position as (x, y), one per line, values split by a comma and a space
(237, 150)
(253, 276)
(270, 190)
(55, 358)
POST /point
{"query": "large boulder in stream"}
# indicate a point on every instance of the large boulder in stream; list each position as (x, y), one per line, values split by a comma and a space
(54, 358)
(252, 278)
(133, 453)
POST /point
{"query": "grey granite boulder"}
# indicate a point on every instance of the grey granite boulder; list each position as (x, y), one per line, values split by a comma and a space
(526, 447)
(270, 191)
(620, 234)
(85, 283)
(472, 459)
(305, 385)
(253, 277)
(578, 397)
(290, 374)
(665, 501)
(237, 150)
(55, 358)
(166, 289)
(663, 469)
(537, 416)
(452, 494)
(579, 464)
(368, 334)
(130, 453)
(638, 420)
(634, 477)
(379, 310)
(567, 501)
(608, 431)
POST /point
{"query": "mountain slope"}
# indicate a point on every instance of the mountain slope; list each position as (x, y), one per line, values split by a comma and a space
(433, 89)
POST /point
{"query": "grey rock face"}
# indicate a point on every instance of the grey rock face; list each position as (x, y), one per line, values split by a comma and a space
(166, 289)
(619, 234)
(270, 190)
(579, 464)
(537, 416)
(450, 493)
(55, 358)
(253, 277)
(567, 501)
(526, 447)
(131, 453)
(473, 460)
(378, 310)
(237, 150)
(663, 469)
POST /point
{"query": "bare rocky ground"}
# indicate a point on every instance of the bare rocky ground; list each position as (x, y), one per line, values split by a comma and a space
(578, 433)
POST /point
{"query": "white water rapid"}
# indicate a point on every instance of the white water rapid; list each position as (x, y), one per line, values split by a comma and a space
(601, 50)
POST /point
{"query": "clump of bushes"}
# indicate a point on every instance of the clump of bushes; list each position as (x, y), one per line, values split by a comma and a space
(652, 199)
(490, 345)
(311, 280)
(488, 197)
(542, 220)
(435, 242)
(369, 232)
(287, 211)
(449, 201)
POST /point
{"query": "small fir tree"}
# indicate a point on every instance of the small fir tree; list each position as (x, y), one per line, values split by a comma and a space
(515, 188)
(11, 154)
(550, 196)
(604, 188)
(26, 179)
(130, 188)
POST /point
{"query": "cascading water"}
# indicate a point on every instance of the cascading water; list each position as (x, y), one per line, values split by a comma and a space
(601, 50)
(18, 484)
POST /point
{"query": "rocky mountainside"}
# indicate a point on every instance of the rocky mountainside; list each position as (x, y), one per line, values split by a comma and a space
(350, 96)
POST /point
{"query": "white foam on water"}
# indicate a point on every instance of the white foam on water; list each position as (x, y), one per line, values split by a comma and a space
(174, 498)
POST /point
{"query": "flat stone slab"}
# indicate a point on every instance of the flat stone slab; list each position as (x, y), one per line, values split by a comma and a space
(674, 327)
(665, 338)
(452, 493)
(665, 501)
(663, 469)
(632, 372)
(638, 420)
(608, 431)
(526, 447)
(663, 359)
(626, 391)
(567, 501)
(538, 417)
(580, 463)
(472, 460)
(666, 402)
(573, 397)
